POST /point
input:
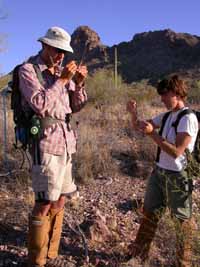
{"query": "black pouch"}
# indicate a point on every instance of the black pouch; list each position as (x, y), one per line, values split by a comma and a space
(190, 185)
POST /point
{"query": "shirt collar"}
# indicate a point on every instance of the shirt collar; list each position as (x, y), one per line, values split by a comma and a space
(40, 62)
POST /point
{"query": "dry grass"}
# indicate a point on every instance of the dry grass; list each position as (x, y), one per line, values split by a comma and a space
(4, 81)
(99, 135)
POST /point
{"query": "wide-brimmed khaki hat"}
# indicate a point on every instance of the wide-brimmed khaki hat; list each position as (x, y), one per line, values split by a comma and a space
(57, 37)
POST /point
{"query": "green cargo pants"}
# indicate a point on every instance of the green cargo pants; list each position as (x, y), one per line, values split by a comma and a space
(169, 189)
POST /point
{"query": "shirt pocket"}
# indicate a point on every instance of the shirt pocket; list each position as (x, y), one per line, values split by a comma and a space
(52, 140)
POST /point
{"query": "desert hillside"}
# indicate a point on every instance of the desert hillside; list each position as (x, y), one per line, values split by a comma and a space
(111, 169)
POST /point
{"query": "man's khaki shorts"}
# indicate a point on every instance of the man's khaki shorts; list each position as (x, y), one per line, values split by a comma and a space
(53, 177)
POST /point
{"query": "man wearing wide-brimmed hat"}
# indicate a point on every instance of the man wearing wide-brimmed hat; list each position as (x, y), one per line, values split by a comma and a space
(53, 92)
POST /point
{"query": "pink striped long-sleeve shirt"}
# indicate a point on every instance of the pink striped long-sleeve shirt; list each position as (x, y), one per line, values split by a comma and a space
(51, 99)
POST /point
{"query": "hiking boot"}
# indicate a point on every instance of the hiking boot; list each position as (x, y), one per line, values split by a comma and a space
(184, 232)
(56, 221)
(141, 246)
(38, 240)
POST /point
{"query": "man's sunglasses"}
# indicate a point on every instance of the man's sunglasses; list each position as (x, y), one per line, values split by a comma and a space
(60, 51)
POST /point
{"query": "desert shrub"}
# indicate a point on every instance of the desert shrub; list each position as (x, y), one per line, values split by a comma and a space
(100, 131)
(4, 80)
(194, 92)
(93, 157)
(9, 127)
(143, 92)
(101, 88)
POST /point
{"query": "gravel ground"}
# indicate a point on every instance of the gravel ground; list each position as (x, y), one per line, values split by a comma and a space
(98, 225)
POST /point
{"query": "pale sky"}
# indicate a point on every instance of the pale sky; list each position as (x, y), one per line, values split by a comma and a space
(23, 21)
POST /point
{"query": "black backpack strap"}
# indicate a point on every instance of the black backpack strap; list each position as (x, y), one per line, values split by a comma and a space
(197, 113)
(164, 119)
(175, 125)
(179, 117)
(38, 73)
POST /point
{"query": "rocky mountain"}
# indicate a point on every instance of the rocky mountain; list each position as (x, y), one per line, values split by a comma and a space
(149, 55)
(88, 48)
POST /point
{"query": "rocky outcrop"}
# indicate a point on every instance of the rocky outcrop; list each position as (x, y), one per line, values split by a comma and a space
(88, 48)
(149, 55)
(154, 54)
(84, 35)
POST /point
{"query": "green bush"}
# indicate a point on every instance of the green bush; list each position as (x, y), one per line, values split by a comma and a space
(101, 88)
(194, 92)
(4, 81)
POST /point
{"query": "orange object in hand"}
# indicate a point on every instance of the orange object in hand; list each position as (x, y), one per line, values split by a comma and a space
(149, 128)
